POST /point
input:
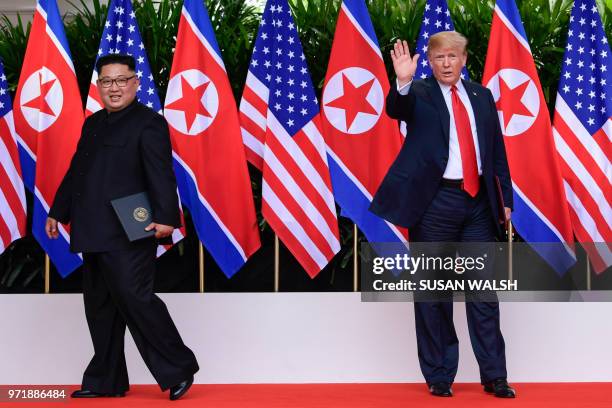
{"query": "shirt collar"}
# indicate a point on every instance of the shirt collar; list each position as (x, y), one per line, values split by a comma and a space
(446, 89)
(113, 117)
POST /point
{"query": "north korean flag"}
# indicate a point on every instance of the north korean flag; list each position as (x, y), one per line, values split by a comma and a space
(540, 214)
(48, 117)
(362, 140)
(209, 157)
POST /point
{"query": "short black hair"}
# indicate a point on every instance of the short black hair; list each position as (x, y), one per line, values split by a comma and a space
(122, 59)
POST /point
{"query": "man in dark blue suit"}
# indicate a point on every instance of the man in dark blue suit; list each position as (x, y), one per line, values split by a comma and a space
(443, 186)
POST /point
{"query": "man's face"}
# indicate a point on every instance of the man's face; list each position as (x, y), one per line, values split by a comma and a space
(116, 97)
(446, 62)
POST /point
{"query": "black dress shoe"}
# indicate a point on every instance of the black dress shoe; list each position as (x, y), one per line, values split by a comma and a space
(180, 389)
(500, 388)
(92, 394)
(441, 389)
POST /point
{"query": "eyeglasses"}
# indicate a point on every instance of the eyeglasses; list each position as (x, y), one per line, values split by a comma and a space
(108, 82)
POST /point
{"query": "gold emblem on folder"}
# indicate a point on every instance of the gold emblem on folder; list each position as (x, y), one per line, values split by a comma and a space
(141, 214)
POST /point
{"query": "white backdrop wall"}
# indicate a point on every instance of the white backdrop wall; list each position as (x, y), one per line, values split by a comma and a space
(305, 338)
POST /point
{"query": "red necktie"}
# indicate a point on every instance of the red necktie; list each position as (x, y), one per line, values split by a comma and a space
(466, 145)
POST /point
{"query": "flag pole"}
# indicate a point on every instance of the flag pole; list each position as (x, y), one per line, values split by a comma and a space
(510, 233)
(201, 265)
(276, 263)
(47, 274)
(588, 271)
(355, 258)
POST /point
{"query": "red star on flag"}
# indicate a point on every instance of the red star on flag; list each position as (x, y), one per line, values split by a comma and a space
(191, 102)
(40, 101)
(353, 100)
(509, 101)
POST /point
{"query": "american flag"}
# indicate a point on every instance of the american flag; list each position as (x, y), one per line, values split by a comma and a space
(12, 192)
(436, 18)
(583, 131)
(281, 131)
(122, 36)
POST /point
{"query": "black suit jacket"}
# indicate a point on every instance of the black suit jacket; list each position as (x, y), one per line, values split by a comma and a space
(414, 177)
(118, 154)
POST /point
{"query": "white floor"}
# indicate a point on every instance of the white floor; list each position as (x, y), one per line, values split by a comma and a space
(305, 337)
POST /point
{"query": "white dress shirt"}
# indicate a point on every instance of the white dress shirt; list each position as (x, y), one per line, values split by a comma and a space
(454, 169)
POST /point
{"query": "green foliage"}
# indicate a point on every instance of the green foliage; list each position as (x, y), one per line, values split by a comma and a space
(13, 41)
(235, 23)
(395, 19)
(472, 18)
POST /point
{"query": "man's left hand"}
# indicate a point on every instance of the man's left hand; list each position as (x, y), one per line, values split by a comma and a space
(161, 230)
(508, 213)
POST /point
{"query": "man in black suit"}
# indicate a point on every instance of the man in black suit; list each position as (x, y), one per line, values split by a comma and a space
(442, 186)
(124, 149)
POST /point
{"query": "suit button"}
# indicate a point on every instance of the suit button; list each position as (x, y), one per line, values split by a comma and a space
(77, 194)
(81, 173)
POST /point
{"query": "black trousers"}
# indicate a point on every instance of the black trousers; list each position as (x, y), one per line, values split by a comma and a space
(454, 216)
(118, 291)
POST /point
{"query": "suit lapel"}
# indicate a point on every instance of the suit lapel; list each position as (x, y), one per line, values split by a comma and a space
(475, 96)
(438, 99)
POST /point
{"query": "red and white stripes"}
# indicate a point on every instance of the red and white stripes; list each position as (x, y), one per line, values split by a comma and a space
(12, 193)
(587, 173)
(296, 189)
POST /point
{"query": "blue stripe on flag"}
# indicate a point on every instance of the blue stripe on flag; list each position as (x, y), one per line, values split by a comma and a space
(345, 192)
(57, 249)
(28, 168)
(511, 12)
(435, 19)
(540, 237)
(359, 10)
(54, 21)
(212, 236)
(199, 15)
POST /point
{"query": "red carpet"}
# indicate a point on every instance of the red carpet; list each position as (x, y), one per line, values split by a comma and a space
(557, 395)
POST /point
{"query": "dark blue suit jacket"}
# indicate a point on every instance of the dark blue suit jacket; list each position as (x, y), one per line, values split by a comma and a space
(414, 177)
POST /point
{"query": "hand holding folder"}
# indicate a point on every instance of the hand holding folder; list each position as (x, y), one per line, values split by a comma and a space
(135, 215)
